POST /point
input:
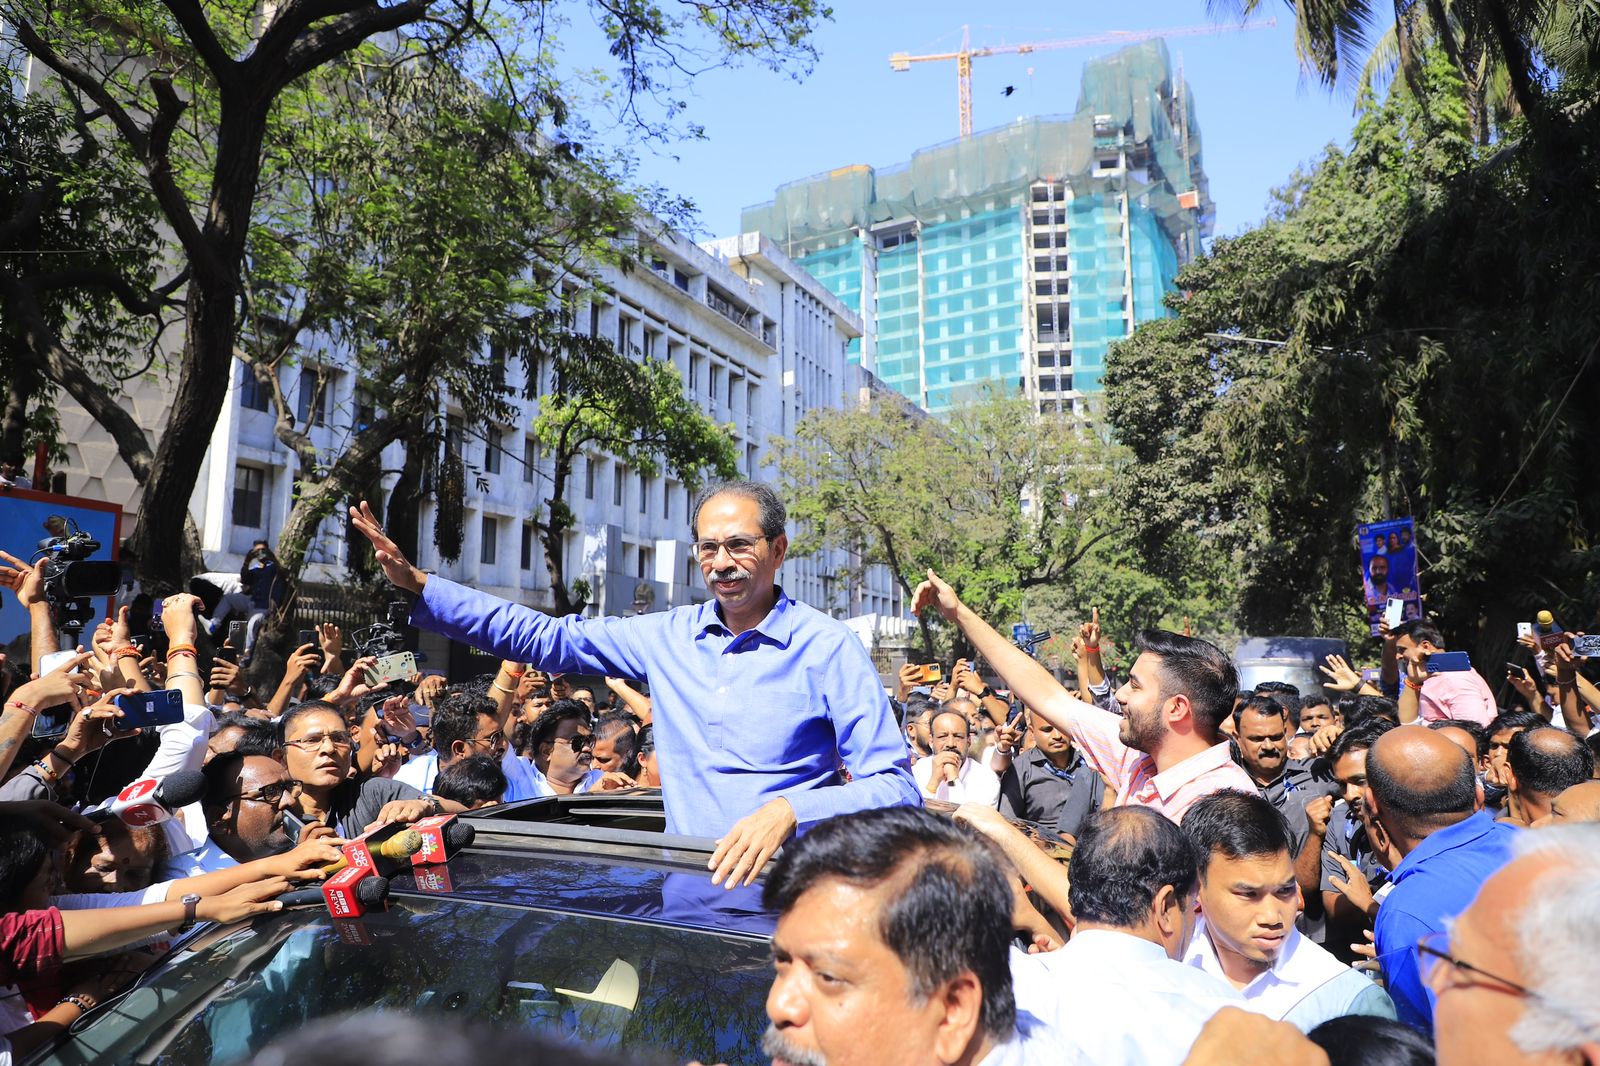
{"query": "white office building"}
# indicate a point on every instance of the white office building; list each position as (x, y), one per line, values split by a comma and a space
(759, 342)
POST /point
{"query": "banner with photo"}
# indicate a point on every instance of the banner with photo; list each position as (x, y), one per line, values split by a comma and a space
(1389, 569)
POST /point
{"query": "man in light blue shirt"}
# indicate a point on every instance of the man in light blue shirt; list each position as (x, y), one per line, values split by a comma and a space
(762, 704)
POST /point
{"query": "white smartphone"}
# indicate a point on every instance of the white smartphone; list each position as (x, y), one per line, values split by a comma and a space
(401, 666)
(49, 662)
(1394, 612)
(1524, 629)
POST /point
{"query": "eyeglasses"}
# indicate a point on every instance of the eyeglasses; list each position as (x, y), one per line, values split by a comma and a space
(1433, 951)
(737, 547)
(579, 741)
(340, 740)
(271, 795)
(493, 740)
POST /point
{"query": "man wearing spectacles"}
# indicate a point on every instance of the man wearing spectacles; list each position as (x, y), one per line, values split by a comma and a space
(758, 700)
(244, 803)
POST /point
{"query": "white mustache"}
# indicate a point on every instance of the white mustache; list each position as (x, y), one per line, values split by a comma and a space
(732, 573)
(774, 1046)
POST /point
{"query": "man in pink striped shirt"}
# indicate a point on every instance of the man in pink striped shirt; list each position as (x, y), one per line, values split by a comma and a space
(1166, 754)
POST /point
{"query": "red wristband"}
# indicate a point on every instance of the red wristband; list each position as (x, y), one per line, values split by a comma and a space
(23, 707)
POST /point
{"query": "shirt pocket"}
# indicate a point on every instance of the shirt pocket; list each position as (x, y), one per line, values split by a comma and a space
(780, 729)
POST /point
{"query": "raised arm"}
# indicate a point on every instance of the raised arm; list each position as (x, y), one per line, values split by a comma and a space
(605, 646)
(1094, 730)
(631, 698)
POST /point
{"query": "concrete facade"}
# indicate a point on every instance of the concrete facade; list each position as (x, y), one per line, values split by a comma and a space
(758, 342)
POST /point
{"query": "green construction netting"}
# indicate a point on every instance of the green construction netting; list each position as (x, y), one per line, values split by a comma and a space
(1131, 93)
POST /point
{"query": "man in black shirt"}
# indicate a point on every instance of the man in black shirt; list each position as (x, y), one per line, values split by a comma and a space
(1048, 784)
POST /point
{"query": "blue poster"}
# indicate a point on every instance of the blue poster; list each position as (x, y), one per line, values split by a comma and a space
(1389, 568)
(27, 519)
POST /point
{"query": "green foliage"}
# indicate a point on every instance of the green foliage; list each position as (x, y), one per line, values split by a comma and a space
(1410, 333)
(1012, 506)
(632, 409)
(77, 259)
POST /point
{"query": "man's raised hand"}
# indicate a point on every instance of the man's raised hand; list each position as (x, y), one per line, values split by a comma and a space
(935, 593)
(396, 567)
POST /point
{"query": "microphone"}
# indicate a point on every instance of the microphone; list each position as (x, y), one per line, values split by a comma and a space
(442, 837)
(150, 800)
(370, 892)
(396, 848)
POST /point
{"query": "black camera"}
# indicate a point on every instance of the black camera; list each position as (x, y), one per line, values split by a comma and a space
(71, 580)
(387, 636)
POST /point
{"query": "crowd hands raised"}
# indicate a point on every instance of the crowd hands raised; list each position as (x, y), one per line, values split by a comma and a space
(265, 777)
(1149, 867)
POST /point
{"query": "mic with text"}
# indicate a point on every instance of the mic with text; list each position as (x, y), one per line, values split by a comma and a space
(442, 837)
(371, 891)
(380, 856)
(148, 800)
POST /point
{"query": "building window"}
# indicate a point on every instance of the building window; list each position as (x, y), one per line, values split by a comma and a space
(616, 485)
(588, 477)
(666, 499)
(453, 432)
(252, 394)
(527, 545)
(494, 443)
(644, 495)
(594, 318)
(530, 458)
(249, 496)
(308, 392)
(647, 562)
(491, 533)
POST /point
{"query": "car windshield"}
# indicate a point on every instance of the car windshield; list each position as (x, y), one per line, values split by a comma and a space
(607, 982)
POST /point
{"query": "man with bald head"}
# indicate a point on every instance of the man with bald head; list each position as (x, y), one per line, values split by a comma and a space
(1580, 803)
(1422, 806)
(1542, 764)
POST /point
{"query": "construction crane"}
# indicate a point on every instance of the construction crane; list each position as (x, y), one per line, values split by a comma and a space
(901, 61)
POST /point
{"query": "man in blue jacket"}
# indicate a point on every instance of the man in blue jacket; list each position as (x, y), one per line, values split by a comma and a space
(759, 701)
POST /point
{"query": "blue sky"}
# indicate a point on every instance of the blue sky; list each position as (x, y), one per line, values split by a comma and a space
(1259, 115)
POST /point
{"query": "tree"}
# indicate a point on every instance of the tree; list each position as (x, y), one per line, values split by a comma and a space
(191, 93)
(1001, 498)
(1411, 332)
(635, 410)
(77, 274)
(873, 481)
(412, 234)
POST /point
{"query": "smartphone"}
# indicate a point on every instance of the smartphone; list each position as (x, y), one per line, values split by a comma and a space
(1587, 645)
(1524, 629)
(1394, 612)
(155, 609)
(307, 636)
(932, 674)
(227, 653)
(48, 663)
(401, 666)
(238, 633)
(1449, 662)
(1514, 668)
(147, 709)
(1016, 716)
(53, 721)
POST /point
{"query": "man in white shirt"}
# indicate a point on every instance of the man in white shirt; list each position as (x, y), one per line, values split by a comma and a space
(1249, 900)
(467, 724)
(950, 774)
(1116, 990)
(856, 981)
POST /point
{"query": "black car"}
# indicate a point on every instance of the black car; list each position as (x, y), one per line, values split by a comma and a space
(575, 916)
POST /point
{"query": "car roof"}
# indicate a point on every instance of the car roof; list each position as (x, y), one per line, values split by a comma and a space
(604, 854)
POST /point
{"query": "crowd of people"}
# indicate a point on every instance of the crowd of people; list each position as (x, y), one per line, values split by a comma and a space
(980, 866)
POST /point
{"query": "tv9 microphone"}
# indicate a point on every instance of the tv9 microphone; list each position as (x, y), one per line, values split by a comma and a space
(148, 800)
(442, 837)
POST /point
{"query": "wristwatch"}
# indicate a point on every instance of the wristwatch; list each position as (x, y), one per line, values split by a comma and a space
(190, 902)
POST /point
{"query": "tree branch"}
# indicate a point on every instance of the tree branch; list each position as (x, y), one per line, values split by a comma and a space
(339, 36)
(223, 67)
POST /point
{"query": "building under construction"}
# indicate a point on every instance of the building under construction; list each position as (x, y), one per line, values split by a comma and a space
(1017, 255)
